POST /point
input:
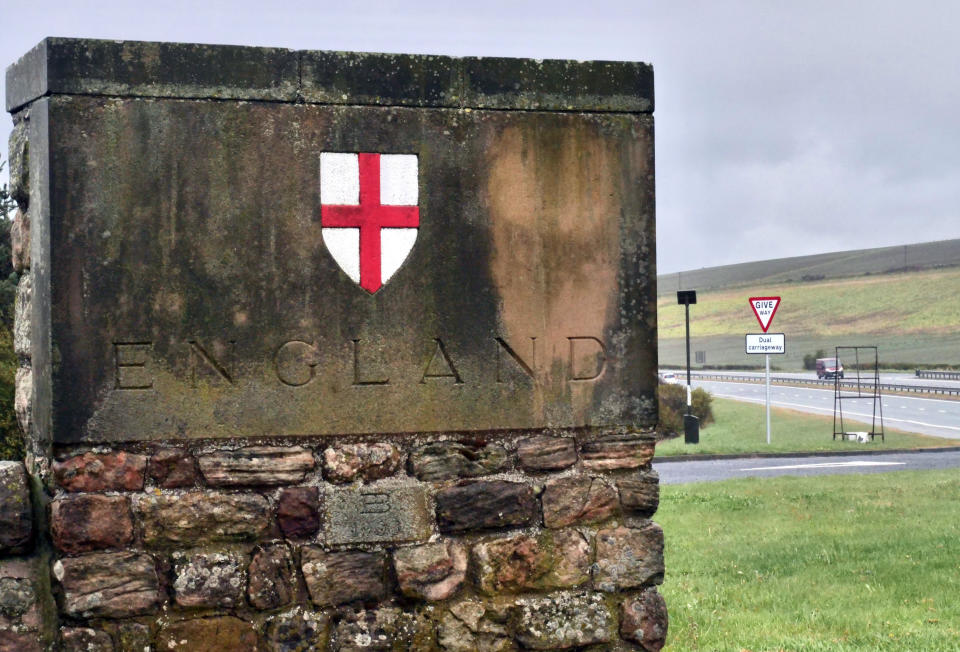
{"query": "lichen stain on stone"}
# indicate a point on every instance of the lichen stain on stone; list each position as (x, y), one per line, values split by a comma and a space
(554, 204)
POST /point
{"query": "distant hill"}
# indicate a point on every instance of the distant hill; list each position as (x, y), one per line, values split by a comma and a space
(840, 264)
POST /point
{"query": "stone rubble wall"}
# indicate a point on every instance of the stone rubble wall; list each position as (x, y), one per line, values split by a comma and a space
(543, 543)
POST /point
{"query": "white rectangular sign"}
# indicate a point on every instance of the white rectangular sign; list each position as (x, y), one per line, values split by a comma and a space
(773, 343)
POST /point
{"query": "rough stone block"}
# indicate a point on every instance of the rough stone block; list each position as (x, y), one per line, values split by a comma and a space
(23, 398)
(348, 462)
(198, 518)
(616, 453)
(577, 500)
(14, 641)
(20, 241)
(628, 558)
(22, 314)
(133, 636)
(298, 630)
(16, 514)
(340, 577)
(18, 155)
(472, 625)
(643, 620)
(217, 634)
(382, 630)
(387, 512)
(108, 585)
(433, 571)
(101, 472)
(446, 460)
(547, 453)
(172, 468)
(257, 466)
(523, 563)
(486, 505)
(208, 579)
(298, 512)
(271, 577)
(84, 639)
(641, 494)
(19, 606)
(562, 620)
(88, 522)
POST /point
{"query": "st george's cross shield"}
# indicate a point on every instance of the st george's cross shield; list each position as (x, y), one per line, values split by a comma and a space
(369, 213)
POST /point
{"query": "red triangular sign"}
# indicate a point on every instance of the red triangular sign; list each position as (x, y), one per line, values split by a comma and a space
(764, 308)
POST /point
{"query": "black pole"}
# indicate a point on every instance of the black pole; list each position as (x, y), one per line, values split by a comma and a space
(687, 306)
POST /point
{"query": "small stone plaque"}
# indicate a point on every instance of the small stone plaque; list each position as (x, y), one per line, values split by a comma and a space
(374, 514)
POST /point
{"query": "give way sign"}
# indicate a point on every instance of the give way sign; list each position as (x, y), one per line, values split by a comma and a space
(764, 308)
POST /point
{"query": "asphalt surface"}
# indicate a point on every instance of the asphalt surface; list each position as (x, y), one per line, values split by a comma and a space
(892, 378)
(680, 472)
(927, 416)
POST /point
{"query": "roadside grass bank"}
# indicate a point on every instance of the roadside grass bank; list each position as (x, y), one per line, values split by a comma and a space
(741, 428)
(838, 563)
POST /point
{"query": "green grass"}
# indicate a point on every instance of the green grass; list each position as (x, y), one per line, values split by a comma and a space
(838, 563)
(741, 428)
(905, 304)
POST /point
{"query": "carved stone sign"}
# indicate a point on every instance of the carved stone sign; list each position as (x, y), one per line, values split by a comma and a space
(448, 254)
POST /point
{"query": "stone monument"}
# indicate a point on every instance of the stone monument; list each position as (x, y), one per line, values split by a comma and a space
(326, 350)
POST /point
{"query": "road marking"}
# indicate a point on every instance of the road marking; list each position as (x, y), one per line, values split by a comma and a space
(824, 465)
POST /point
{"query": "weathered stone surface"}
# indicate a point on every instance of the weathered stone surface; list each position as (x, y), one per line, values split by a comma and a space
(101, 472)
(641, 494)
(87, 522)
(472, 625)
(84, 639)
(629, 557)
(172, 468)
(298, 512)
(13, 641)
(23, 398)
(433, 571)
(257, 466)
(19, 607)
(16, 515)
(339, 577)
(484, 505)
(109, 585)
(349, 462)
(643, 620)
(20, 241)
(445, 460)
(203, 517)
(384, 630)
(298, 630)
(18, 155)
(208, 579)
(133, 636)
(522, 562)
(578, 499)
(219, 634)
(22, 315)
(562, 620)
(388, 512)
(271, 577)
(547, 453)
(617, 453)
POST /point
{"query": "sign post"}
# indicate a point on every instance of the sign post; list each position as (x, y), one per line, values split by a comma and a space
(764, 308)
(691, 424)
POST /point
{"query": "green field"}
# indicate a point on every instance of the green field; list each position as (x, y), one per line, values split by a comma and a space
(839, 563)
(904, 314)
(741, 428)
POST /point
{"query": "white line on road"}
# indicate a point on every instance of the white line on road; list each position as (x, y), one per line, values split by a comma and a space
(824, 465)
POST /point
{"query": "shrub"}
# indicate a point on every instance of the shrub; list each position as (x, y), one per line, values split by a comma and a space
(672, 400)
(810, 359)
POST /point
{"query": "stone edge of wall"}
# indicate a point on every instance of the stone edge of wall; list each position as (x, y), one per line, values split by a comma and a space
(69, 66)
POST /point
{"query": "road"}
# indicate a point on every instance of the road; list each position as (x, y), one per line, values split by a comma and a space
(910, 413)
(893, 378)
(679, 472)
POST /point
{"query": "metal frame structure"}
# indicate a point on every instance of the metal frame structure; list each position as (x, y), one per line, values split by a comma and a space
(858, 387)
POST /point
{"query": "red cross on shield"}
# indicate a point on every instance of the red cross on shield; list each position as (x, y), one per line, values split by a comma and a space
(369, 213)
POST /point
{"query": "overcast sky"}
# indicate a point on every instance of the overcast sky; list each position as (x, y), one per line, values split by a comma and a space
(783, 128)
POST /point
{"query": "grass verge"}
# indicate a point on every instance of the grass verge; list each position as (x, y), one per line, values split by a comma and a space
(742, 428)
(839, 563)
